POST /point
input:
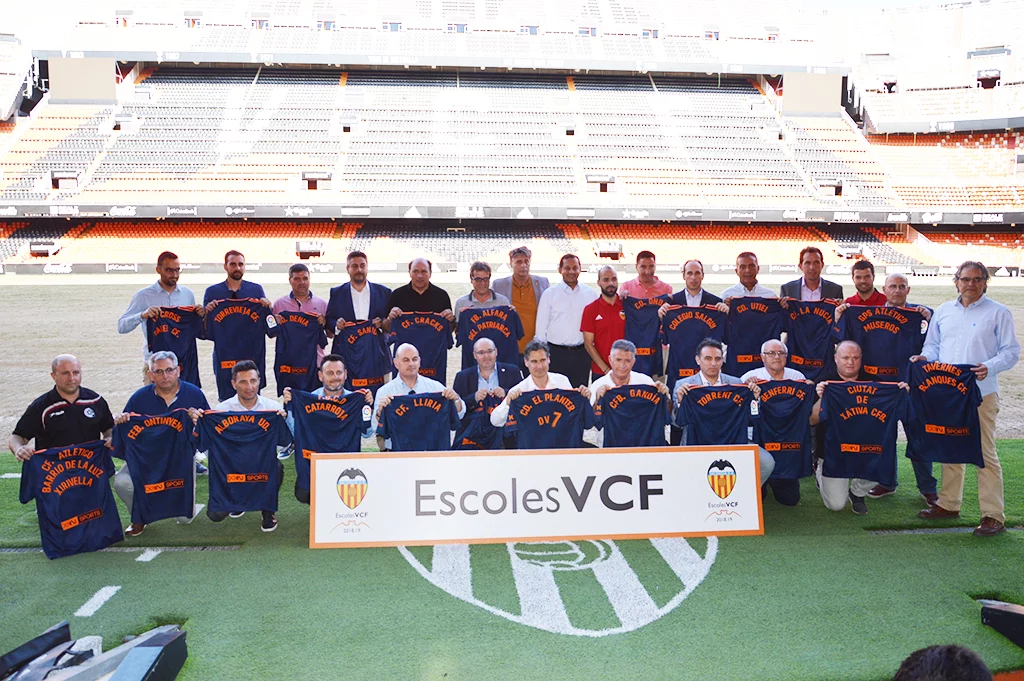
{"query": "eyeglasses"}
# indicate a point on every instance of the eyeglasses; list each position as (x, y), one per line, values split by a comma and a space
(484, 352)
(172, 270)
(774, 353)
(163, 372)
(479, 278)
(971, 280)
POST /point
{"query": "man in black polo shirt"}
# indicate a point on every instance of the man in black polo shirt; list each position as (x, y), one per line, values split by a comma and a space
(67, 415)
(419, 295)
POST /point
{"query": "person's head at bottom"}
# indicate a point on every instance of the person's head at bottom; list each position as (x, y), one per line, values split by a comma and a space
(943, 663)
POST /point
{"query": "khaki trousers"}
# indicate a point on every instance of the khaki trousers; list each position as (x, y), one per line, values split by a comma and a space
(990, 478)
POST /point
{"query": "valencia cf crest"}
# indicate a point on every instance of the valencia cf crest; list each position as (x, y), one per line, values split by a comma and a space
(352, 486)
(722, 478)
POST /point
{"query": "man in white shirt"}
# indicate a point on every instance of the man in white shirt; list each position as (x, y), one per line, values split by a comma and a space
(747, 270)
(621, 360)
(974, 329)
(559, 314)
(773, 354)
(407, 382)
(710, 358)
(538, 360)
(245, 379)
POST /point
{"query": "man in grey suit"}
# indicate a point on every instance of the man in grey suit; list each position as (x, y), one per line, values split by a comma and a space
(523, 290)
(710, 357)
(811, 286)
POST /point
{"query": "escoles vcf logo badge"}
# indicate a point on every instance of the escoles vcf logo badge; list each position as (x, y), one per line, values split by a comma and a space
(722, 478)
(352, 485)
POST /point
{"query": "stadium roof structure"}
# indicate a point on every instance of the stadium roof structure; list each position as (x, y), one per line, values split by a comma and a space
(658, 35)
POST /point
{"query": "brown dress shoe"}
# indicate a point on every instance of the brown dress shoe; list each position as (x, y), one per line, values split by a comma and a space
(930, 499)
(937, 513)
(134, 530)
(989, 527)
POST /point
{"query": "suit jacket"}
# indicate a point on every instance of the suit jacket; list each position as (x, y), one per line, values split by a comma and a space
(504, 286)
(467, 382)
(679, 298)
(340, 304)
(829, 289)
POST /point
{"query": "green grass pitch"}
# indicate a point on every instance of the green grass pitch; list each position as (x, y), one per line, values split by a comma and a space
(819, 597)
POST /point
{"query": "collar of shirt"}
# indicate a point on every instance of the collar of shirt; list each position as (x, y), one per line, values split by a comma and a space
(977, 303)
(309, 298)
(487, 383)
(807, 293)
(693, 301)
(704, 380)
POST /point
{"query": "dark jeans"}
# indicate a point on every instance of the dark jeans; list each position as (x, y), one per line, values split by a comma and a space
(574, 362)
(221, 515)
(786, 491)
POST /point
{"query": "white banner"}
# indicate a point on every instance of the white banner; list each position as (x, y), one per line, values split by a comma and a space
(413, 498)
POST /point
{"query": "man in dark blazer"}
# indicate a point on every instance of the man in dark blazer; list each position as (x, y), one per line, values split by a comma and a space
(488, 378)
(371, 299)
(693, 294)
(811, 286)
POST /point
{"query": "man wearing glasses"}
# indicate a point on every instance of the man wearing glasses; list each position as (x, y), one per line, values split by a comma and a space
(165, 393)
(146, 303)
(773, 353)
(975, 330)
(482, 295)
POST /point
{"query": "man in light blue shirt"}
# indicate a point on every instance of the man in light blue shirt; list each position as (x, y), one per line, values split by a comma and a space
(407, 382)
(332, 374)
(147, 302)
(976, 330)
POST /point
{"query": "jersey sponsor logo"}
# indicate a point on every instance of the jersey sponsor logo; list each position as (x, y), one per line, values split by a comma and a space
(74, 522)
(366, 382)
(645, 351)
(165, 485)
(686, 373)
(745, 358)
(722, 478)
(89, 413)
(248, 477)
(285, 369)
(545, 604)
(805, 362)
(782, 446)
(880, 371)
(352, 486)
(860, 449)
(946, 430)
(227, 364)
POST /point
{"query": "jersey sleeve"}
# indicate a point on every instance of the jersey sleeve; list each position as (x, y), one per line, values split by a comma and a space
(117, 440)
(26, 491)
(588, 418)
(31, 422)
(270, 327)
(453, 415)
(822, 410)
(384, 422)
(284, 434)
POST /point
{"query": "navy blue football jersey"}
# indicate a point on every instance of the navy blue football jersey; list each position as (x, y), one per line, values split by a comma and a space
(238, 329)
(860, 429)
(74, 503)
(476, 431)
(419, 422)
(684, 328)
(633, 416)
(552, 419)
(783, 426)
(500, 323)
(888, 337)
(643, 329)
(325, 424)
(295, 363)
(810, 336)
(367, 362)
(752, 321)
(243, 458)
(944, 425)
(716, 415)
(176, 330)
(431, 334)
(160, 452)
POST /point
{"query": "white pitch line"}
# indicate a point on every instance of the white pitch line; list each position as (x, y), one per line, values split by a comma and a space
(148, 555)
(97, 601)
(10, 476)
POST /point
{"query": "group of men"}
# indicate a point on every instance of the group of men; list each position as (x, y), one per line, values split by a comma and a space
(566, 337)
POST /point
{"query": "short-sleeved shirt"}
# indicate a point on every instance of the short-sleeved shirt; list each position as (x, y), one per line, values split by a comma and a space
(634, 289)
(146, 401)
(525, 301)
(220, 291)
(55, 422)
(407, 299)
(607, 323)
(470, 301)
(876, 298)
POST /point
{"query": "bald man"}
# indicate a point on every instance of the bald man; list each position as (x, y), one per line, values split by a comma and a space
(603, 322)
(66, 415)
(408, 381)
(419, 295)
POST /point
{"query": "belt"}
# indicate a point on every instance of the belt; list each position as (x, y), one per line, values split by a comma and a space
(567, 347)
